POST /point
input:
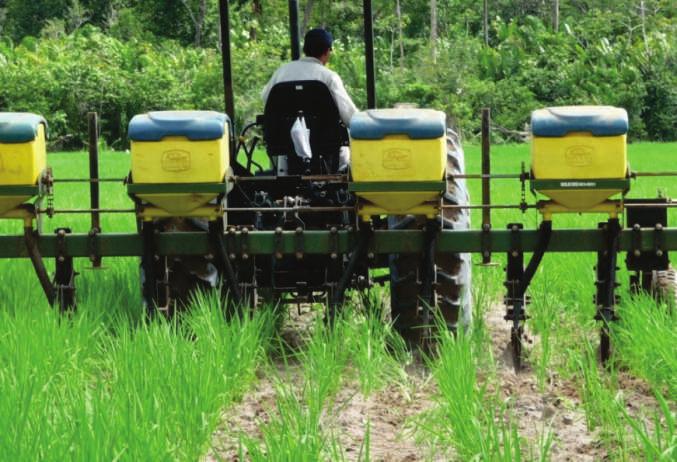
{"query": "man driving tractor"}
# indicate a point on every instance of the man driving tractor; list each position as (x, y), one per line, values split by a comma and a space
(317, 46)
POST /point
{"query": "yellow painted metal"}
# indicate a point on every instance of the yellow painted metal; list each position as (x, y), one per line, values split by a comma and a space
(8, 203)
(429, 210)
(21, 164)
(176, 159)
(578, 156)
(613, 208)
(26, 214)
(398, 158)
(211, 212)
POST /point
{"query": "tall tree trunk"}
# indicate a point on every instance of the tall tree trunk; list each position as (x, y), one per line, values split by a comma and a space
(199, 20)
(398, 11)
(257, 9)
(307, 15)
(433, 29)
(555, 15)
(485, 22)
(199, 25)
(642, 13)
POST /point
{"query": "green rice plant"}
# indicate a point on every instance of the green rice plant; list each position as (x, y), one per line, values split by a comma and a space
(163, 385)
(545, 440)
(646, 341)
(295, 432)
(661, 443)
(45, 367)
(601, 404)
(365, 448)
(473, 422)
(378, 352)
(486, 289)
(324, 360)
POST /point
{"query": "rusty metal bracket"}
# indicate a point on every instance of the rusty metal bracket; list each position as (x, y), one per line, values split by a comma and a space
(231, 244)
(244, 243)
(279, 249)
(486, 243)
(61, 251)
(658, 240)
(64, 275)
(515, 299)
(93, 246)
(333, 243)
(299, 243)
(515, 238)
(636, 241)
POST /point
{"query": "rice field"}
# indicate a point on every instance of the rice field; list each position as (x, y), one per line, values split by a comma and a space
(104, 385)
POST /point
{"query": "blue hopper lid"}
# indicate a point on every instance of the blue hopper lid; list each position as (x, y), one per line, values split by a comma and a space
(194, 125)
(417, 124)
(598, 120)
(20, 127)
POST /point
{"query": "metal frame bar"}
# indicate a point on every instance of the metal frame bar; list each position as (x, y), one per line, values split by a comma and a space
(294, 29)
(20, 190)
(324, 242)
(229, 99)
(369, 53)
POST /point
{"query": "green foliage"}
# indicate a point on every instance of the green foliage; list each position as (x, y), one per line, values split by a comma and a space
(121, 57)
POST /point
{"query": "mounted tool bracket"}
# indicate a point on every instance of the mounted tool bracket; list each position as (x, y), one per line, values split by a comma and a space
(64, 276)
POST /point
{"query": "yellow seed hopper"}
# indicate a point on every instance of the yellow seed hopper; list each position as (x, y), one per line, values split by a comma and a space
(178, 157)
(23, 156)
(579, 156)
(398, 160)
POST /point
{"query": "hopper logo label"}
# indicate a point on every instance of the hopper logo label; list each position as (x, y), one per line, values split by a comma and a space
(175, 160)
(397, 159)
(579, 156)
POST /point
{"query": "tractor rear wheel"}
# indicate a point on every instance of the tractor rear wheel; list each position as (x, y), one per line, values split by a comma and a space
(452, 270)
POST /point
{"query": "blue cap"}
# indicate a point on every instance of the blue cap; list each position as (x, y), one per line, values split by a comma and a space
(317, 42)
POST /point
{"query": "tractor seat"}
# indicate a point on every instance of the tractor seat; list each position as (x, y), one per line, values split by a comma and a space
(193, 125)
(19, 127)
(314, 101)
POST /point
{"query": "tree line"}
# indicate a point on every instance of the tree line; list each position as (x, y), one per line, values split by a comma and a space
(63, 58)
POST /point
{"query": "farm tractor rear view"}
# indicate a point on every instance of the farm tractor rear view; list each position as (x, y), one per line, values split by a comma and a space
(211, 214)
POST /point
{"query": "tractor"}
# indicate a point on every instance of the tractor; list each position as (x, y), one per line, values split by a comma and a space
(285, 230)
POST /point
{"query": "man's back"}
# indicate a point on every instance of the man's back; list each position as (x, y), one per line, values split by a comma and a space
(309, 68)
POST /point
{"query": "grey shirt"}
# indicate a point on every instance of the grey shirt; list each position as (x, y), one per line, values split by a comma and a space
(308, 68)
